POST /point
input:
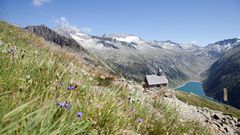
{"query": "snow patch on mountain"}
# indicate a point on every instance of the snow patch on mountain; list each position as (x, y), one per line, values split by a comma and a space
(128, 38)
(86, 41)
(219, 48)
(170, 45)
(129, 41)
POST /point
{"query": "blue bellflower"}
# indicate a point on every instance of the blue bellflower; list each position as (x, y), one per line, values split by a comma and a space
(70, 87)
(79, 114)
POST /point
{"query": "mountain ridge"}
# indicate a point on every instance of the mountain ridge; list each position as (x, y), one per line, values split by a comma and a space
(225, 73)
(145, 56)
(50, 35)
(218, 48)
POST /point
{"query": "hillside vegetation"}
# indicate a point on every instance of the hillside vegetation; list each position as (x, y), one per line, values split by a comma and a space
(46, 90)
(203, 102)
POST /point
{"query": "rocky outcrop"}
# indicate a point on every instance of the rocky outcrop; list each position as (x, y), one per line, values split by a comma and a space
(54, 37)
(218, 122)
(225, 123)
(221, 123)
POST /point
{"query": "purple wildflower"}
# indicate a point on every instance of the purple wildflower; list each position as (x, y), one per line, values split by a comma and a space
(140, 120)
(60, 104)
(79, 114)
(67, 105)
(134, 110)
(70, 87)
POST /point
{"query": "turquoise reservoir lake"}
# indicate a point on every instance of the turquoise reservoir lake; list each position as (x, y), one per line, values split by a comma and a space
(192, 87)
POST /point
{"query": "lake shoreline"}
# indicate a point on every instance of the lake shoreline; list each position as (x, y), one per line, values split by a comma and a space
(195, 91)
(188, 82)
(191, 86)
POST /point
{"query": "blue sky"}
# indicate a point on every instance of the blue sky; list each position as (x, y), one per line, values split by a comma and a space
(184, 21)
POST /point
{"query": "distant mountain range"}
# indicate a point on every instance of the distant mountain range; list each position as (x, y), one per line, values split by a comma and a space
(132, 57)
(217, 49)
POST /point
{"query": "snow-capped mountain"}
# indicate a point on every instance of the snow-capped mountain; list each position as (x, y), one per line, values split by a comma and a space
(170, 45)
(121, 41)
(191, 47)
(134, 57)
(128, 38)
(66, 30)
(165, 44)
(217, 49)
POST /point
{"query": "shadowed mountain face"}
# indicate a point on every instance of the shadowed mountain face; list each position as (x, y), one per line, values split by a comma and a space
(54, 37)
(225, 73)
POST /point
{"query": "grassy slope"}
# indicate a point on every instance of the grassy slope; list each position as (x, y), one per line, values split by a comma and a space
(202, 102)
(35, 77)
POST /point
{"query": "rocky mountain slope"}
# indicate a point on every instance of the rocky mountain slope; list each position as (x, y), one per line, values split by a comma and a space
(225, 73)
(54, 37)
(133, 57)
(217, 49)
(64, 41)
